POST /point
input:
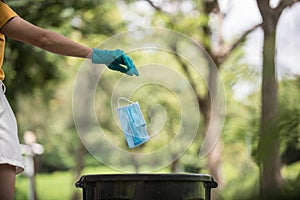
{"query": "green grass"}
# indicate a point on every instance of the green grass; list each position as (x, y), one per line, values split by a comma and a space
(54, 186)
(58, 185)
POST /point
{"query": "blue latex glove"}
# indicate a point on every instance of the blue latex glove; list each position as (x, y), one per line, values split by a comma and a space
(114, 60)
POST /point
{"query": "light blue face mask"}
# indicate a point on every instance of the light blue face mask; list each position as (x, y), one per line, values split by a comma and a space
(132, 123)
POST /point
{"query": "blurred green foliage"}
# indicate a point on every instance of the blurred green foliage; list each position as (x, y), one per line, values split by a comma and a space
(40, 84)
(27, 67)
(289, 120)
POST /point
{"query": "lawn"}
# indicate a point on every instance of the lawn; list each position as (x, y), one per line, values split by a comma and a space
(54, 186)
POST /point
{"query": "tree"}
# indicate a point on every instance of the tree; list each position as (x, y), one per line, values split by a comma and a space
(200, 28)
(270, 177)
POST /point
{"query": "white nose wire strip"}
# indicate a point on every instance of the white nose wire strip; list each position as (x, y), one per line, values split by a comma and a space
(123, 98)
(3, 88)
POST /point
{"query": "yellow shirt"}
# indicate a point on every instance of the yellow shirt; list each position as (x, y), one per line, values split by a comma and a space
(6, 13)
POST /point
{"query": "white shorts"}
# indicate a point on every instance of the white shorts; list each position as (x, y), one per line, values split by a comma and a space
(10, 151)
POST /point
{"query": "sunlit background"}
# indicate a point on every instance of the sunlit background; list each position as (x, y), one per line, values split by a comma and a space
(40, 89)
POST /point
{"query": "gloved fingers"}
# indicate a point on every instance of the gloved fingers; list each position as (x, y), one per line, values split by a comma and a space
(130, 66)
(134, 69)
(118, 67)
(130, 72)
(115, 60)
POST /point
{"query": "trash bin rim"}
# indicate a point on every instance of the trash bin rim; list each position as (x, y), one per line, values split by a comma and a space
(143, 177)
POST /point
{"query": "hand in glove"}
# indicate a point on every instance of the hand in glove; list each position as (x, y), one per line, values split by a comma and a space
(114, 60)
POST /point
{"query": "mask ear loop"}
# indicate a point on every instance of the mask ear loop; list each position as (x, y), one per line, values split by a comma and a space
(123, 98)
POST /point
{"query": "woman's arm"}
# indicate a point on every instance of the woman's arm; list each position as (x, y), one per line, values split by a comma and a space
(23, 31)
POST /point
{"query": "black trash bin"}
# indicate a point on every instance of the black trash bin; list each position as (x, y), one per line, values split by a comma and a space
(146, 186)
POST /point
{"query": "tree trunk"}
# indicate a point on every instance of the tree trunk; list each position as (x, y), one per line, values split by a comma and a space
(270, 178)
(175, 165)
(212, 134)
(269, 143)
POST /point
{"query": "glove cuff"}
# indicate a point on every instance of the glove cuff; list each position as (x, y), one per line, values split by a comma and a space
(96, 59)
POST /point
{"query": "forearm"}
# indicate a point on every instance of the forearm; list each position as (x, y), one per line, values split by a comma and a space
(21, 30)
(59, 44)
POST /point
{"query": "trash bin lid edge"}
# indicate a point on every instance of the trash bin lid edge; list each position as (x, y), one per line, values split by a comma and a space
(145, 177)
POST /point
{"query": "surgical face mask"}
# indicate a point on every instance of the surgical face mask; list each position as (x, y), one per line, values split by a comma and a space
(132, 123)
